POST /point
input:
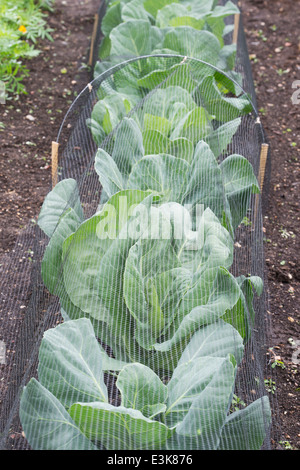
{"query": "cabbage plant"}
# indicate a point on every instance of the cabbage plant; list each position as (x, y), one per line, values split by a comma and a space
(178, 104)
(168, 32)
(68, 407)
(187, 178)
(146, 293)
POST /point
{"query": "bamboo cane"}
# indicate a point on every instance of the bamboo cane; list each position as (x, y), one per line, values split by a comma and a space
(54, 167)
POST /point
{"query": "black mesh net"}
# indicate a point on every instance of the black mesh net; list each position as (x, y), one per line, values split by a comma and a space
(139, 307)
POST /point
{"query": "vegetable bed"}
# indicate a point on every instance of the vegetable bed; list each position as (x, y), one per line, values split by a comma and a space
(156, 325)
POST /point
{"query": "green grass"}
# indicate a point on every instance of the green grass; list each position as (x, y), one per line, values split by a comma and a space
(22, 23)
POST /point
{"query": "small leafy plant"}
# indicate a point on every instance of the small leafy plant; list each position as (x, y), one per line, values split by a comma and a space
(21, 24)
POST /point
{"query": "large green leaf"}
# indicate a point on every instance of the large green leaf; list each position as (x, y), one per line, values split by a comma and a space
(201, 7)
(70, 363)
(128, 148)
(219, 139)
(112, 18)
(166, 277)
(153, 6)
(110, 176)
(217, 104)
(106, 115)
(102, 331)
(209, 246)
(94, 259)
(163, 174)
(155, 142)
(168, 12)
(141, 389)
(134, 10)
(215, 340)
(46, 423)
(64, 196)
(51, 267)
(171, 103)
(207, 414)
(189, 382)
(187, 41)
(205, 185)
(210, 304)
(247, 429)
(148, 293)
(118, 428)
(181, 148)
(239, 182)
(131, 39)
(165, 73)
(194, 126)
(196, 23)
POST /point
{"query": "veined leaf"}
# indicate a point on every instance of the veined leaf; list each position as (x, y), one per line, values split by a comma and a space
(239, 182)
(163, 174)
(128, 148)
(141, 389)
(219, 139)
(118, 428)
(169, 12)
(131, 39)
(64, 196)
(70, 363)
(194, 126)
(112, 18)
(94, 259)
(155, 142)
(217, 104)
(221, 297)
(215, 340)
(110, 177)
(51, 267)
(153, 6)
(187, 41)
(134, 10)
(247, 429)
(207, 414)
(46, 423)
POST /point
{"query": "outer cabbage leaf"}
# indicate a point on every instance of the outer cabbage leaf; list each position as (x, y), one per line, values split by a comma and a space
(118, 428)
(46, 423)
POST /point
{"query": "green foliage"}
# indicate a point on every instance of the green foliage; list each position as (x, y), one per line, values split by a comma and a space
(155, 289)
(145, 284)
(22, 23)
(190, 411)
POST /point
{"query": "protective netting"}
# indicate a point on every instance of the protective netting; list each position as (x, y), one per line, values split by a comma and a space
(199, 23)
(139, 314)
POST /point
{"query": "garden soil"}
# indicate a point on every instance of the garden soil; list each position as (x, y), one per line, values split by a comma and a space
(59, 73)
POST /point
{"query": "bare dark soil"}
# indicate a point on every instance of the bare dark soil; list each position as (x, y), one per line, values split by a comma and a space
(273, 37)
(58, 74)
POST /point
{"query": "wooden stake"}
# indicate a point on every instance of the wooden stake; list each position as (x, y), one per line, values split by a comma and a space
(54, 167)
(262, 164)
(261, 175)
(93, 39)
(236, 28)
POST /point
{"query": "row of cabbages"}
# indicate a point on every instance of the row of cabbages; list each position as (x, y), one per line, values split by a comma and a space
(145, 285)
